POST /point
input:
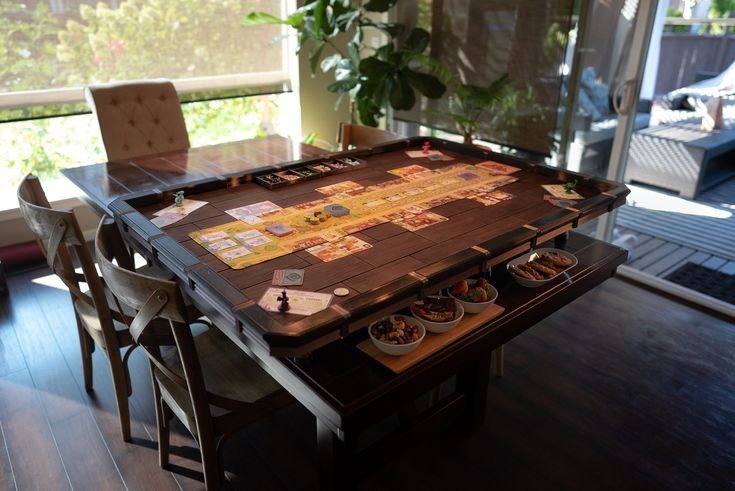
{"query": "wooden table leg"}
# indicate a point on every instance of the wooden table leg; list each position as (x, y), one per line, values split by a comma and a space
(473, 382)
(560, 241)
(334, 459)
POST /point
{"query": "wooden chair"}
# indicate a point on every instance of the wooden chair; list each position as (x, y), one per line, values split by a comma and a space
(138, 118)
(206, 381)
(99, 318)
(363, 136)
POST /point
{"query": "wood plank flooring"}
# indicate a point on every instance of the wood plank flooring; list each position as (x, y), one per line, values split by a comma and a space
(642, 397)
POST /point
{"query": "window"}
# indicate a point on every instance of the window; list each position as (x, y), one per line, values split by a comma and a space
(56, 47)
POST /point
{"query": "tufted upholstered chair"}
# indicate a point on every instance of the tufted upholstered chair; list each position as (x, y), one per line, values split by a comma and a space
(138, 118)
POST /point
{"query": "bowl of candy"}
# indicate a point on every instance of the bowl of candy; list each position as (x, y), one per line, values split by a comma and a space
(397, 334)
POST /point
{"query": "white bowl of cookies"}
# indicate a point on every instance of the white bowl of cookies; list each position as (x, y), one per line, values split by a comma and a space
(540, 266)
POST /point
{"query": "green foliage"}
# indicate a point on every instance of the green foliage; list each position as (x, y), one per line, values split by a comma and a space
(29, 36)
(672, 12)
(469, 102)
(373, 79)
(117, 44)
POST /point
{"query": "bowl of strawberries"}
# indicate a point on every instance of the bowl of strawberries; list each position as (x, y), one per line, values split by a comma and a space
(474, 295)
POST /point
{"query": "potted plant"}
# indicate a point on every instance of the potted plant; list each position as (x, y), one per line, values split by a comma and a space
(372, 78)
(469, 103)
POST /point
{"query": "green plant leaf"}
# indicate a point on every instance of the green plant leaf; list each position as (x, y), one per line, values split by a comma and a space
(315, 54)
(402, 96)
(369, 112)
(373, 67)
(417, 40)
(341, 86)
(330, 62)
(353, 52)
(428, 85)
(320, 17)
(261, 19)
(379, 5)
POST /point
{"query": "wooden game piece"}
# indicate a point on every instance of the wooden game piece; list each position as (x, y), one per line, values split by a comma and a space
(278, 229)
(283, 298)
(426, 146)
(336, 210)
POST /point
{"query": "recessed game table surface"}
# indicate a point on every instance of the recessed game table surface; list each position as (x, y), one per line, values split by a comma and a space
(316, 357)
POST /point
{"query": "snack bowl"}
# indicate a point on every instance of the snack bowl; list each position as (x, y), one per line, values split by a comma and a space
(397, 349)
(533, 255)
(476, 307)
(440, 327)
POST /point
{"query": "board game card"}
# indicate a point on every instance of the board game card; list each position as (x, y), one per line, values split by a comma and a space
(439, 156)
(399, 215)
(218, 246)
(417, 222)
(300, 302)
(340, 187)
(497, 168)
(256, 209)
(418, 154)
(386, 184)
(212, 236)
(166, 219)
(411, 171)
(256, 241)
(558, 191)
(486, 200)
(501, 195)
(288, 277)
(334, 250)
(357, 227)
(188, 206)
(278, 229)
(561, 203)
(234, 253)
(247, 234)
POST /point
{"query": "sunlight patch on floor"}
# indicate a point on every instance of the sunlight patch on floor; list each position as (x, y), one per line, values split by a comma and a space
(655, 200)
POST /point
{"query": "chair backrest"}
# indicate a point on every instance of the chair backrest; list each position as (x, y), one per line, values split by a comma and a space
(155, 298)
(138, 118)
(62, 242)
(363, 136)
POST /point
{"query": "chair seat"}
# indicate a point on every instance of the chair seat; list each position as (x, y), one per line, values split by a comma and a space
(90, 320)
(228, 373)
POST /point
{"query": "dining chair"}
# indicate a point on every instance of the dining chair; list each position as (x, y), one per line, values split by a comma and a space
(138, 118)
(100, 319)
(363, 136)
(212, 386)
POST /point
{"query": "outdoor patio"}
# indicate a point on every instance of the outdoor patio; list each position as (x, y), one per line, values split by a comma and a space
(668, 231)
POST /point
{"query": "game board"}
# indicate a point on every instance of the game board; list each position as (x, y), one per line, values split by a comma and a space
(403, 201)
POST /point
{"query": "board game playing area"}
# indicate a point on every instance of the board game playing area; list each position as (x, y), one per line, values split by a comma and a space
(266, 231)
(395, 223)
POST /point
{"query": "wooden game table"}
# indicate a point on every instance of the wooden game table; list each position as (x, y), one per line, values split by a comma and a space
(316, 358)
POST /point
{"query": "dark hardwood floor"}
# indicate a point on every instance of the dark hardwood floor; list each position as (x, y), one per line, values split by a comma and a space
(622, 389)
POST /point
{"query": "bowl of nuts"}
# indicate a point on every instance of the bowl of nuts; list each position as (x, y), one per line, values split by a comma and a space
(397, 334)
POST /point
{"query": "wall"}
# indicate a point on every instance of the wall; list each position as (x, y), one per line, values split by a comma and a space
(684, 55)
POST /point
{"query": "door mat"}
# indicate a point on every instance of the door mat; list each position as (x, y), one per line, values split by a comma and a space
(705, 280)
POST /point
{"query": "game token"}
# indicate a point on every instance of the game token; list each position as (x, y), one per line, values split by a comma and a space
(341, 292)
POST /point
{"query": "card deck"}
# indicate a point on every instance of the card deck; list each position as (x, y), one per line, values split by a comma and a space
(558, 191)
(234, 253)
(218, 246)
(288, 277)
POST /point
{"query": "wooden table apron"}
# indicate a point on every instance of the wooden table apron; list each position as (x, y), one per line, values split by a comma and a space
(344, 389)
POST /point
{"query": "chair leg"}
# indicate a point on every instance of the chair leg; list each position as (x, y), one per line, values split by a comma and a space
(163, 425)
(499, 354)
(210, 463)
(86, 344)
(120, 381)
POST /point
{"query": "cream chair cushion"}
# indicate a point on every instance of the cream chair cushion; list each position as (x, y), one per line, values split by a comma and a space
(138, 118)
